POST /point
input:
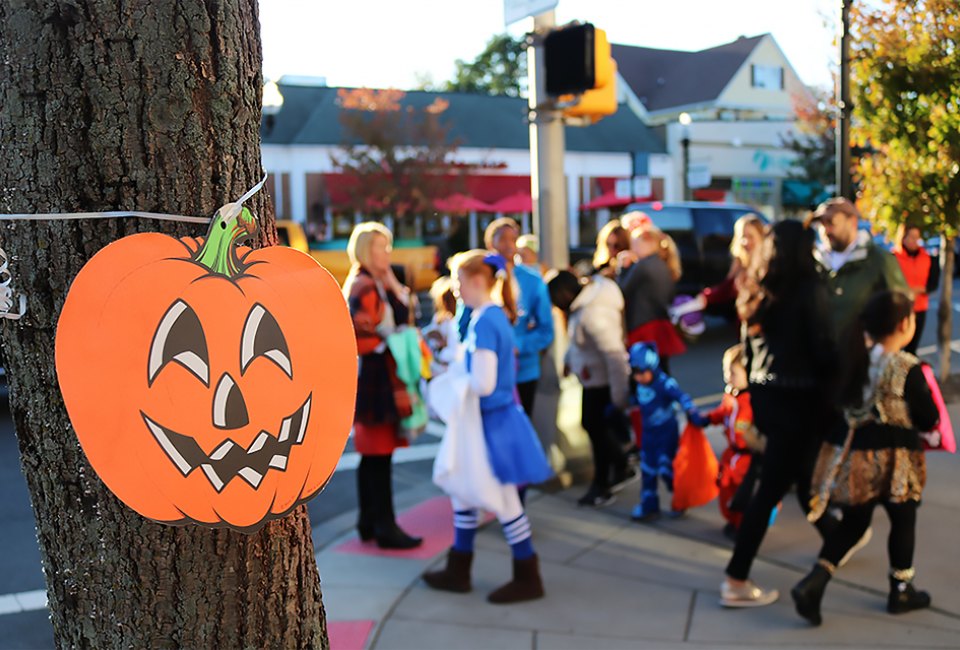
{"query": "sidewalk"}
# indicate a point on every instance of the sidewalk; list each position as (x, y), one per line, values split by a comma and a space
(612, 583)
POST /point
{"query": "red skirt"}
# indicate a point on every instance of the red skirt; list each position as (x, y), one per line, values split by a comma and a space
(377, 439)
(662, 333)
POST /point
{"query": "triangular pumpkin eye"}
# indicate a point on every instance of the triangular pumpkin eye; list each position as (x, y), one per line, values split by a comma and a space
(179, 338)
(262, 337)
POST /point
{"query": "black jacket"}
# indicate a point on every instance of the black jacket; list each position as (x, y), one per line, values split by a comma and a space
(788, 342)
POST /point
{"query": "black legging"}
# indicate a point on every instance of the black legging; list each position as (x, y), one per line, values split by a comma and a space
(375, 491)
(528, 393)
(921, 320)
(788, 419)
(607, 453)
(856, 520)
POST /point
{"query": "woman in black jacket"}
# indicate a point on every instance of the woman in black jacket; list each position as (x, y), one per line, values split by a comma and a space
(790, 358)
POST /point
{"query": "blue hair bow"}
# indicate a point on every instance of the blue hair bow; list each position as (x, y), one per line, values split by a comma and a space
(496, 261)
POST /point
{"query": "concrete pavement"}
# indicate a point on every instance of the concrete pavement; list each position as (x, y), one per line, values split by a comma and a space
(612, 583)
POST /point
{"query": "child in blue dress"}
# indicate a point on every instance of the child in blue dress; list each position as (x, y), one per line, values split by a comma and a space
(513, 449)
(656, 393)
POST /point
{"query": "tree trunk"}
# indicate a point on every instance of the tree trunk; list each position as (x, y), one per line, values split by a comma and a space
(132, 105)
(945, 310)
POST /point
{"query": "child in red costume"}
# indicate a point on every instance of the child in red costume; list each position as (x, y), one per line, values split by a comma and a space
(743, 440)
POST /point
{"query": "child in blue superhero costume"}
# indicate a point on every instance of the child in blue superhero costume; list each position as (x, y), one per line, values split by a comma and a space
(655, 394)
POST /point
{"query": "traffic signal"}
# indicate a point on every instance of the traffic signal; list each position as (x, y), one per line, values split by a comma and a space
(597, 103)
(568, 55)
(579, 65)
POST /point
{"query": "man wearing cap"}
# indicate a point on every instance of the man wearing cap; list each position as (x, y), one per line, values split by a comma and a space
(854, 269)
(852, 265)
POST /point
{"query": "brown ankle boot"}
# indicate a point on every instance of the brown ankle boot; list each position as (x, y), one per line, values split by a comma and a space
(526, 583)
(456, 576)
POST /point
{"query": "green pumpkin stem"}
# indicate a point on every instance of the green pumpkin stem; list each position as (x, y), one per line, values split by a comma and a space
(219, 251)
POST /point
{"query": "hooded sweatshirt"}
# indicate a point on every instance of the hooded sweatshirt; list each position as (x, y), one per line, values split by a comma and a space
(597, 355)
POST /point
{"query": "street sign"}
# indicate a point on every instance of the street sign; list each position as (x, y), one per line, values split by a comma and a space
(698, 175)
(514, 10)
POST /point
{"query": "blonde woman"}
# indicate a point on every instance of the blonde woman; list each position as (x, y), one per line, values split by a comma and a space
(612, 240)
(749, 231)
(648, 277)
(378, 304)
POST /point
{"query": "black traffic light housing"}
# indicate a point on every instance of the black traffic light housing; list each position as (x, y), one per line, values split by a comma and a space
(568, 55)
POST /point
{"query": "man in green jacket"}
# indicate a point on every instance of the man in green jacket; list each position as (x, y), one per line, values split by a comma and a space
(852, 265)
(854, 268)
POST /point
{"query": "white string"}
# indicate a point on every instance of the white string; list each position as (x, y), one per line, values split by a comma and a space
(228, 212)
(119, 214)
(66, 216)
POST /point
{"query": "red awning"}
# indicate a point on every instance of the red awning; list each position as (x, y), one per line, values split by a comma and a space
(707, 194)
(519, 202)
(483, 189)
(461, 203)
(611, 200)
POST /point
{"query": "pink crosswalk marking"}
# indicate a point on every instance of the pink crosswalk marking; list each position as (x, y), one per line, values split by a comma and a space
(432, 520)
(349, 635)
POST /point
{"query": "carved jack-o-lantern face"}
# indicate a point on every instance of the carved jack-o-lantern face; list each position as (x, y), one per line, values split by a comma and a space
(223, 398)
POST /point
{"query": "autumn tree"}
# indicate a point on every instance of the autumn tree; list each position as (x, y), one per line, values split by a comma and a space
(815, 141)
(398, 155)
(906, 82)
(151, 106)
(501, 69)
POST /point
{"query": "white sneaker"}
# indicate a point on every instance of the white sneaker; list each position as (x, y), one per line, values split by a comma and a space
(863, 541)
(749, 595)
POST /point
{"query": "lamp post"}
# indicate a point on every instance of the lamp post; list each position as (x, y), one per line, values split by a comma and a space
(685, 121)
(272, 102)
(844, 183)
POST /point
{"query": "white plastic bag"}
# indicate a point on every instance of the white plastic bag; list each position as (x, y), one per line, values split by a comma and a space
(462, 468)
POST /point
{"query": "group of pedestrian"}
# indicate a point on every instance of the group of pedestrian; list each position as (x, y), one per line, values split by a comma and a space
(839, 403)
(819, 394)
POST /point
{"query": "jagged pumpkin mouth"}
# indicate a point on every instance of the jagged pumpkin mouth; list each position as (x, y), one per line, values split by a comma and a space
(230, 460)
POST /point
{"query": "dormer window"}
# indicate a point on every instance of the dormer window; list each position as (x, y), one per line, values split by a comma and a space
(768, 77)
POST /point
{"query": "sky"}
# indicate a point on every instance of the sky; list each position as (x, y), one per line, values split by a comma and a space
(394, 43)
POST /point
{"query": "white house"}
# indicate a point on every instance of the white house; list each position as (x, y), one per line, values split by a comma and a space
(740, 101)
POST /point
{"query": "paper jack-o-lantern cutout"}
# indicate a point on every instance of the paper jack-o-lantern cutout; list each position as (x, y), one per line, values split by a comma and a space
(206, 382)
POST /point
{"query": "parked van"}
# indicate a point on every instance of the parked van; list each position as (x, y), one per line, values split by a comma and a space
(703, 232)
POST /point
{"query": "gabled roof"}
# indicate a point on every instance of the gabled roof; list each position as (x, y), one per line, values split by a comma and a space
(310, 115)
(663, 79)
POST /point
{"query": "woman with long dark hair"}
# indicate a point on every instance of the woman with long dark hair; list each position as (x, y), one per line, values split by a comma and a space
(789, 353)
(887, 403)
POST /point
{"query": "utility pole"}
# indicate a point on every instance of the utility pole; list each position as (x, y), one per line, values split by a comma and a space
(844, 182)
(547, 180)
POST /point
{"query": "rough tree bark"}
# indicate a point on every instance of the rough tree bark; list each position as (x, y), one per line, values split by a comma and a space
(945, 310)
(135, 105)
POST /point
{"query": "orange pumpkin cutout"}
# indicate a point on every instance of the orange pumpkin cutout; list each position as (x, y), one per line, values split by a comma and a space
(206, 382)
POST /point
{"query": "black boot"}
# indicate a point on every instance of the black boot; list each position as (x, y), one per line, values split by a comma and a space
(393, 537)
(455, 576)
(366, 499)
(808, 593)
(526, 583)
(903, 596)
(386, 531)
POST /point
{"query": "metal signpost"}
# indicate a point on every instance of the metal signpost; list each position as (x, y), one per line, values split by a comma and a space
(547, 180)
